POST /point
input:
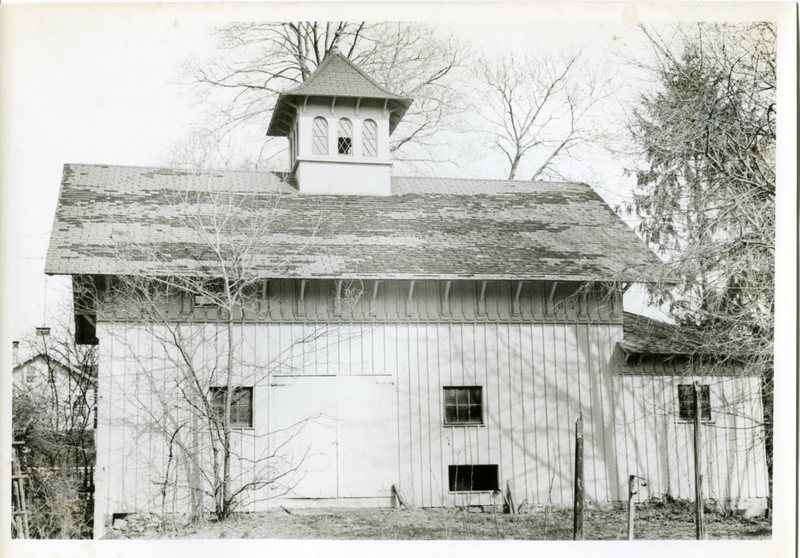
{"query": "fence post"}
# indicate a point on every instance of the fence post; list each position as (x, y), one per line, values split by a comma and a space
(631, 504)
(698, 478)
(577, 528)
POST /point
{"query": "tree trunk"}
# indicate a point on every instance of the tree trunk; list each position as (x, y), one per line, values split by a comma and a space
(225, 507)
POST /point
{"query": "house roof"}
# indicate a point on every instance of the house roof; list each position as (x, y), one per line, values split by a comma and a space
(436, 228)
(336, 76)
(646, 336)
(57, 365)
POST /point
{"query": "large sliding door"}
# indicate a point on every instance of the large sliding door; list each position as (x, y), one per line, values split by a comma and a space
(338, 434)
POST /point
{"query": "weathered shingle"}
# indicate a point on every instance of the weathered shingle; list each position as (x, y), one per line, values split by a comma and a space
(646, 336)
(428, 228)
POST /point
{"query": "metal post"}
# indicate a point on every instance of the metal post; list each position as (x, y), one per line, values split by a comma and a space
(698, 478)
(577, 531)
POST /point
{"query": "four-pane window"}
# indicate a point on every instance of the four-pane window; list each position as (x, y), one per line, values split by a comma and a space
(241, 405)
(463, 405)
(686, 402)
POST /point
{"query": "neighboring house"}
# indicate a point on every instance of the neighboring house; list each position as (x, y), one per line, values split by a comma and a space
(55, 385)
(489, 318)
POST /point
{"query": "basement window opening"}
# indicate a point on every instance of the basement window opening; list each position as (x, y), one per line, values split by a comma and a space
(473, 478)
(241, 405)
(686, 402)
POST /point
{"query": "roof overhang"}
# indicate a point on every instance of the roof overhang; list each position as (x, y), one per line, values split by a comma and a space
(286, 109)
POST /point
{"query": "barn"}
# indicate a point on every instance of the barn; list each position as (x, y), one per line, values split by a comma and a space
(430, 337)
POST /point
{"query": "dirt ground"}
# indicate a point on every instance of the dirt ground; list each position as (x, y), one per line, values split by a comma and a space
(653, 521)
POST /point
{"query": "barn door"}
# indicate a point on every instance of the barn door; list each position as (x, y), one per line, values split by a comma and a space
(339, 433)
(367, 436)
(302, 423)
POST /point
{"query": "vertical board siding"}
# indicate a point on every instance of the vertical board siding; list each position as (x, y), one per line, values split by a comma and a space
(661, 448)
(537, 378)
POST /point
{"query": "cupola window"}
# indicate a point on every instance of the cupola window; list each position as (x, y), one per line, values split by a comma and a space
(344, 140)
(369, 138)
(319, 139)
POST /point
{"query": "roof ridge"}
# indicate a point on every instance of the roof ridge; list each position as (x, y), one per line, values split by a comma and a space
(330, 56)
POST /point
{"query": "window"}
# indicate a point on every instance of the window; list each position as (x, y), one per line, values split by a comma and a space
(369, 138)
(30, 376)
(472, 478)
(686, 402)
(319, 136)
(203, 300)
(344, 140)
(463, 405)
(241, 405)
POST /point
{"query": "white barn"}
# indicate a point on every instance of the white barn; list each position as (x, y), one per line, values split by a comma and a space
(488, 317)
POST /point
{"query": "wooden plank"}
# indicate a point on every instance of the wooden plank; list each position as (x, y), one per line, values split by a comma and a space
(539, 424)
(606, 337)
(669, 485)
(595, 486)
(517, 391)
(499, 340)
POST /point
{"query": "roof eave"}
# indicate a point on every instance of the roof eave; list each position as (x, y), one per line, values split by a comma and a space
(283, 108)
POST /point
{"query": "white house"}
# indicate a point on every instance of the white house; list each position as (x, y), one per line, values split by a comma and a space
(488, 318)
(63, 391)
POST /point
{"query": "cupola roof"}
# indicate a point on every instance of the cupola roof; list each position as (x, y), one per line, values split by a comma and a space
(336, 76)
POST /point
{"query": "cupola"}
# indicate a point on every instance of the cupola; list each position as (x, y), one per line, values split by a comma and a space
(338, 122)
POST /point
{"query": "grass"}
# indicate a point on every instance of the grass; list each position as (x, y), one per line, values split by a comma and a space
(654, 520)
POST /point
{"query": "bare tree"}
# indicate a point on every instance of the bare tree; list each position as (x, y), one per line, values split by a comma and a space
(53, 417)
(186, 379)
(536, 109)
(259, 60)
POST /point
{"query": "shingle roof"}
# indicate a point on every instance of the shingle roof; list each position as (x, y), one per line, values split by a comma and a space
(336, 76)
(646, 336)
(428, 228)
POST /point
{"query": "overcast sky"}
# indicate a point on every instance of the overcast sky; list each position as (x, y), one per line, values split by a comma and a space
(99, 84)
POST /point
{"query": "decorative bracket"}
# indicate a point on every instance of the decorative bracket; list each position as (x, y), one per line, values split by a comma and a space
(301, 302)
(337, 303)
(583, 303)
(515, 307)
(410, 299)
(550, 311)
(482, 299)
(305, 103)
(385, 105)
(372, 304)
(263, 303)
(358, 104)
(333, 104)
(446, 298)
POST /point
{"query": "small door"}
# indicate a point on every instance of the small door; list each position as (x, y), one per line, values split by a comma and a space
(367, 436)
(303, 434)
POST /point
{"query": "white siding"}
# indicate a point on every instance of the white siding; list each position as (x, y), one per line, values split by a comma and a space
(537, 378)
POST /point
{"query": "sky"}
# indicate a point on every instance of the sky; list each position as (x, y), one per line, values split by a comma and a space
(101, 84)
